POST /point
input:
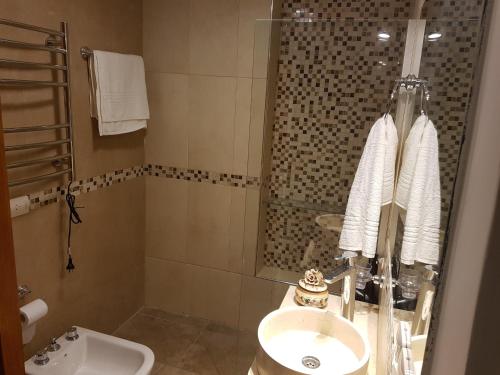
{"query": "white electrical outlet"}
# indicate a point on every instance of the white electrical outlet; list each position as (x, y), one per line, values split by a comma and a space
(19, 206)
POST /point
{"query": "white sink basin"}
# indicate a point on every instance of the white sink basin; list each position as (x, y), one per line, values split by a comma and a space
(295, 340)
(95, 353)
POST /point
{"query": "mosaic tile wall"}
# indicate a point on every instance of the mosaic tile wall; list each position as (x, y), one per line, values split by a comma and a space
(455, 9)
(341, 9)
(449, 64)
(288, 227)
(57, 193)
(329, 93)
(356, 9)
(333, 80)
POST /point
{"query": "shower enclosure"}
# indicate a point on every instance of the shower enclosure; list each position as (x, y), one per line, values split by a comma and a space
(329, 72)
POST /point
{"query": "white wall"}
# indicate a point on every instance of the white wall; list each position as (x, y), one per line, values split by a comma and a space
(471, 232)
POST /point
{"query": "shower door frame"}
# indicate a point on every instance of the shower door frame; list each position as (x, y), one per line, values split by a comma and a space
(11, 350)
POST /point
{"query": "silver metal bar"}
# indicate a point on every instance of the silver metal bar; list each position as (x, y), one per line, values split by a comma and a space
(29, 180)
(31, 65)
(30, 27)
(24, 129)
(26, 163)
(86, 52)
(424, 302)
(36, 145)
(346, 272)
(69, 114)
(28, 83)
(40, 47)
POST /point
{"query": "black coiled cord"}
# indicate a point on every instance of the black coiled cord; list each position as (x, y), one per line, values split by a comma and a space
(74, 218)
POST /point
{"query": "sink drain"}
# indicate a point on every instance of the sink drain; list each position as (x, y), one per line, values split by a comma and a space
(311, 362)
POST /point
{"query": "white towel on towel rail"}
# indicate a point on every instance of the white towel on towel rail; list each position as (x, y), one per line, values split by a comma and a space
(373, 187)
(419, 193)
(118, 99)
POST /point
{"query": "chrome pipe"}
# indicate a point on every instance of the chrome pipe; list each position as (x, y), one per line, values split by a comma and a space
(36, 145)
(347, 273)
(23, 129)
(30, 27)
(424, 303)
(27, 163)
(38, 178)
(29, 83)
(40, 47)
(30, 65)
(67, 98)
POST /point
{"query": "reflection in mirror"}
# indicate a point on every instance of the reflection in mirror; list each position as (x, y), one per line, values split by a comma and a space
(327, 82)
(324, 93)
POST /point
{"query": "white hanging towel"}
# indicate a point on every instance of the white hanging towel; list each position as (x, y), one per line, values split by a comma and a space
(372, 188)
(118, 98)
(419, 193)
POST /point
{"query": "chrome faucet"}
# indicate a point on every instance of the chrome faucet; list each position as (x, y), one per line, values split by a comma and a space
(346, 272)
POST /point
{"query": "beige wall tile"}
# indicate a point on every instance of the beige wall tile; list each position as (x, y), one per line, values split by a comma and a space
(256, 127)
(213, 34)
(258, 298)
(250, 12)
(252, 206)
(107, 252)
(88, 22)
(167, 133)
(209, 211)
(278, 293)
(166, 35)
(242, 125)
(262, 34)
(211, 123)
(166, 218)
(187, 289)
(215, 295)
(168, 285)
(237, 228)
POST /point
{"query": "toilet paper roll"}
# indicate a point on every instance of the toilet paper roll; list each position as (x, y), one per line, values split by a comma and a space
(33, 311)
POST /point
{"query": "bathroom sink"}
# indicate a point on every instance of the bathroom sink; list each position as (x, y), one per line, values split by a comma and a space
(307, 340)
(95, 353)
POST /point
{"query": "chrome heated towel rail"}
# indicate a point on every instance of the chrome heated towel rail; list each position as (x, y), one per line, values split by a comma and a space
(56, 44)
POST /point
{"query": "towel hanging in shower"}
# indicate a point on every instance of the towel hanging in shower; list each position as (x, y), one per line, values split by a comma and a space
(419, 193)
(372, 188)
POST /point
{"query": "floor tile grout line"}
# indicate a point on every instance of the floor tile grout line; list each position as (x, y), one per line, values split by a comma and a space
(128, 320)
(178, 315)
(190, 346)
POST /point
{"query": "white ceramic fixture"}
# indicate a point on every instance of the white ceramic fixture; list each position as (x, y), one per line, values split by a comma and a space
(308, 340)
(95, 353)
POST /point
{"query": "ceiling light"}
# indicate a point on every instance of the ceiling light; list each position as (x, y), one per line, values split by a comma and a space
(434, 36)
(383, 36)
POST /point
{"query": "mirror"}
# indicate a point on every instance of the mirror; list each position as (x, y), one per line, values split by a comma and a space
(326, 82)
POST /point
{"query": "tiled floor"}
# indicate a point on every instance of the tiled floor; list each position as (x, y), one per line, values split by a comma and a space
(190, 346)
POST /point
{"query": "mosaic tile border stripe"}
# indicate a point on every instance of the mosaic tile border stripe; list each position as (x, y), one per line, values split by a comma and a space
(57, 193)
(198, 175)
